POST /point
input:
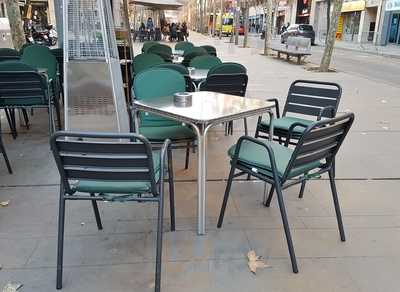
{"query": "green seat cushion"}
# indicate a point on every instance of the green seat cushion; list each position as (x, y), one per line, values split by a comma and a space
(256, 156)
(284, 123)
(119, 187)
(174, 133)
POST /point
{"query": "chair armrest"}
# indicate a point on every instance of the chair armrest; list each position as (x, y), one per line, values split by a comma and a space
(291, 129)
(276, 102)
(325, 109)
(163, 164)
(258, 142)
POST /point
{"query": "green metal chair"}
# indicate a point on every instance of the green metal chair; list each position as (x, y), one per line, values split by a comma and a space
(145, 61)
(110, 167)
(8, 54)
(229, 78)
(192, 53)
(228, 68)
(205, 62)
(147, 45)
(307, 101)
(39, 56)
(190, 86)
(184, 46)
(156, 128)
(163, 51)
(21, 86)
(210, 49)
(21, 51)
(283, 167)
(3, 151)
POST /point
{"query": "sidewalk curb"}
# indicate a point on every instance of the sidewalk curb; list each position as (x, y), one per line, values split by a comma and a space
(377, 53)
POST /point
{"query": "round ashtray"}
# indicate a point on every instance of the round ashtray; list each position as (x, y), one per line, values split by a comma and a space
(183, 99)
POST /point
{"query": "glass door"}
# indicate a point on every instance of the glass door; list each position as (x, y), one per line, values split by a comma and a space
(394, 28)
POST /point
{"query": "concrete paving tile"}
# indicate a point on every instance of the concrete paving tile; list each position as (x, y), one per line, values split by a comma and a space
(222, 244)
(97, 250)
(15, 253)
(326, 243)
(233, 275)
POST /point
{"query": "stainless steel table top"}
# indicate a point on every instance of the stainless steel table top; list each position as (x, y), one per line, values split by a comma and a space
(207, 107)
(198, 74)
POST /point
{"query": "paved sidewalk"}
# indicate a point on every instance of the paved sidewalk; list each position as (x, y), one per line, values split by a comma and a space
(121, 257)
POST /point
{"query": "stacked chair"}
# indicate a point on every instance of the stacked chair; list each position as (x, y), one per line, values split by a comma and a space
(210, 50)
(205, 62)
(163, 51)
(228, 78)
(156, 128)
(184, 46)
(191, 54)
(7, 54)
(145, 61)
(190, 86)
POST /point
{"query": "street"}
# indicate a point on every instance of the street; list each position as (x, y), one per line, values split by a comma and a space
(369, 66)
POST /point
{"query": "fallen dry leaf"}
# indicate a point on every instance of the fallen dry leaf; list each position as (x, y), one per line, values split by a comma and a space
(4, 203)
(12, 287)
(255, 262)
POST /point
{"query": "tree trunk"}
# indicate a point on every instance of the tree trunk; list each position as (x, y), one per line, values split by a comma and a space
(246, 24)
(268, 27)
(237, 22)
(214, 18)
(221, 19)
(331, 36)
(275, 20)
(16, 27)
(201, 18)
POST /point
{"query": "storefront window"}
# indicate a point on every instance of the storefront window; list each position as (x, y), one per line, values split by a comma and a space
(394, 30)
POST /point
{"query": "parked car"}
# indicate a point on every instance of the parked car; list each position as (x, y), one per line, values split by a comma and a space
(303, 30)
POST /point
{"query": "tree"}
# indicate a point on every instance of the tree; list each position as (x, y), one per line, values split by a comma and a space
(268, 27)
(331, 36)
(16, 27)
(245, 10)
(237, 21)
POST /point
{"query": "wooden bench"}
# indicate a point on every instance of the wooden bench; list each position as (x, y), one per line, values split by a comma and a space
(295, 46)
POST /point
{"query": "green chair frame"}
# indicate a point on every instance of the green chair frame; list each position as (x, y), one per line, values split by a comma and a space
(282, 167)
(110, 167)
(145, 61)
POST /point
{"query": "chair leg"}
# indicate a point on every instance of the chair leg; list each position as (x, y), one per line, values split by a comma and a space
(60, 248)
(303, 186)
(3, 150)
(26, 118)
(11, 121)
(96, 213)
(58, 113)
(226, 196)
(171, 189)
(286, 228)
(267, 203)
(337, 206)
(187, 155)
(159, 241)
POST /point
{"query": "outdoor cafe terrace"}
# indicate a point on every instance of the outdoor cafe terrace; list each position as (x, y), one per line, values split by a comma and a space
(200, 256)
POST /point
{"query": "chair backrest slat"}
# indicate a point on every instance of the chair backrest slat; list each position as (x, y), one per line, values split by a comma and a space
(108, 174)
(310, 97)
(235, 84)
(100, 147)
(103, 157)
(16, 87)
(320, 141)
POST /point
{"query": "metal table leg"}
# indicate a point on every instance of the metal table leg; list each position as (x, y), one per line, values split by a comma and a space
(201, 131)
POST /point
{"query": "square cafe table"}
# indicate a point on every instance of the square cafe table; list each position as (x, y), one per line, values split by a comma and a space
(208, 109)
